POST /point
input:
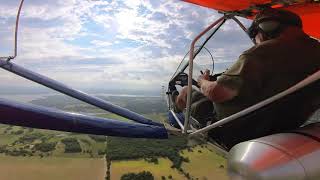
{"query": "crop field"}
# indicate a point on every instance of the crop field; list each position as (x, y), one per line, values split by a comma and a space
(51, 168)
(118, 168)
(204, 163)
(27, 153)
(19, 141)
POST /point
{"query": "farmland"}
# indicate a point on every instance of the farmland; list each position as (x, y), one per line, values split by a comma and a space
(51, 168)
(43, 154)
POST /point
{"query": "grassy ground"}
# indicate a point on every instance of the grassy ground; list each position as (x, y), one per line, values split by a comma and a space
(51, 168)
(90, 148)
(7, 139)
(204, 163)
(118, 168)
(55, 164)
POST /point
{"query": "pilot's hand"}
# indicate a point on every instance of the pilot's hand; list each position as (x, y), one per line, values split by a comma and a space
(181, 100)
(204, 76)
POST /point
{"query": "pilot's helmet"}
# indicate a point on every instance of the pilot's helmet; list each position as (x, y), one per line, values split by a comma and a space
(271, 20)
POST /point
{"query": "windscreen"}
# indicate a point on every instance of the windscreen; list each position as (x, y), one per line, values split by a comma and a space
(221, 51)
(204, 60)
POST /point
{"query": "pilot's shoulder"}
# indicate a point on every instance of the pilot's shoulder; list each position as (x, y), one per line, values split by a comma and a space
(262, 48)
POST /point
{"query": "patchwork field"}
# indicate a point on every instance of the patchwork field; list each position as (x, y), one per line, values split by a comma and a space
(51, 168)
(27, 153)
(118, 168)
(203, 164)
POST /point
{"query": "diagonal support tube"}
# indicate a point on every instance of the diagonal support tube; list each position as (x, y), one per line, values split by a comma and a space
(177, 119)
(50, 83)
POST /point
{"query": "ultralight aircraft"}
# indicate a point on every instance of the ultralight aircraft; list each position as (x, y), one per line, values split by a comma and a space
(288, 155)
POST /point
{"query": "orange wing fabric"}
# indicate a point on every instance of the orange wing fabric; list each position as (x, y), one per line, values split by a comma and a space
(308, 11)
(310, 15)
(227, 5)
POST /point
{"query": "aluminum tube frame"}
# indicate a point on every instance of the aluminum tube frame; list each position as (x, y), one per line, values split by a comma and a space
(240, 24)
(177, 120)
(198, 50)
(52, 84)
(28, 115)
(191, 57)
(310, 79)
(168, 102)
(242, 27)
(16, 32)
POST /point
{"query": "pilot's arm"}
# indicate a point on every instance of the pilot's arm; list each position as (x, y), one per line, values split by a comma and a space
(213, 90)
(242, 79)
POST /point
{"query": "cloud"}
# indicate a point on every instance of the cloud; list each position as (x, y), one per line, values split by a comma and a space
(98, 43)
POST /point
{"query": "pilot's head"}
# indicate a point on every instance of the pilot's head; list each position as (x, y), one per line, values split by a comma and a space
(270, 23)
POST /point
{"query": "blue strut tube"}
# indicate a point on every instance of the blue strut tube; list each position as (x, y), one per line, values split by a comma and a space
(21, 114)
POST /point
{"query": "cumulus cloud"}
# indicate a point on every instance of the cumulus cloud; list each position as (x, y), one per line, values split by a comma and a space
(124, 44)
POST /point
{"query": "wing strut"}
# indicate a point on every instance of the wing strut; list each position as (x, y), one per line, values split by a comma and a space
(33, 116)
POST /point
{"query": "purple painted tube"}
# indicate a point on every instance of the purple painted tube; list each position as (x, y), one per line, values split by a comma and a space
(21, 114)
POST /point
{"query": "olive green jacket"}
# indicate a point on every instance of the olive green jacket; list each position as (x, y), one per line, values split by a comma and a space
(269, 68)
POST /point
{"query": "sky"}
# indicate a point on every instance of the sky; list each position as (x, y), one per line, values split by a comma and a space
(111, 44)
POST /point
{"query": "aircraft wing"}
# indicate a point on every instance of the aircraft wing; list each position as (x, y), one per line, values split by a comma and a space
(309, 11)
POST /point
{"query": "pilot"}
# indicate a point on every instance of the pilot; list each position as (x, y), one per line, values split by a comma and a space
(282, 56)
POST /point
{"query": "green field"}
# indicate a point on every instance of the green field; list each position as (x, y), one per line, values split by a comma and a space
(27, 153)
(20, 141)
(118, 168)
(51, 168)
(204, 163)
(20, 159)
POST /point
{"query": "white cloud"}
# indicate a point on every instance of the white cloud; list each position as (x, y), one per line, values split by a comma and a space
(97, 43)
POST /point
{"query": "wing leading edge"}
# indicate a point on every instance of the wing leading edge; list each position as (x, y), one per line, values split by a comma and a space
(309, 11)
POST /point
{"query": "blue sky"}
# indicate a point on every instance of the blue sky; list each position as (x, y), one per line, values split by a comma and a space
(111, 44)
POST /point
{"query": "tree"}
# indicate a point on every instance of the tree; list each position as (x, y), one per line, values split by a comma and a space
(144, 175)
(71, 145)
(45, 146)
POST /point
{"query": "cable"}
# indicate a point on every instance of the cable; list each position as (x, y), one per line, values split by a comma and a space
(16, 33)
